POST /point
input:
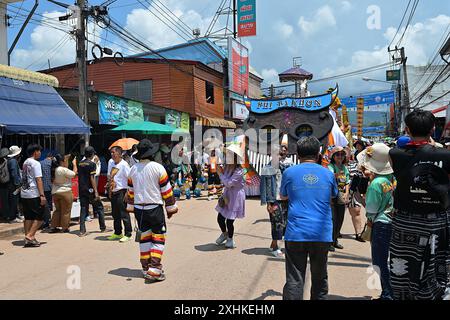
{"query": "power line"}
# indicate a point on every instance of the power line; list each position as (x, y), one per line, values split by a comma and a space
(401, 22)
(411, 15)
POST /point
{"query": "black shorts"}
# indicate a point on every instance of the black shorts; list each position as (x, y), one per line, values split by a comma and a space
(32, 209)
(213, 179)
(152, 219)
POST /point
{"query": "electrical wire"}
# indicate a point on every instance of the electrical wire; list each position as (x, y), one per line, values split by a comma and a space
(401, 22)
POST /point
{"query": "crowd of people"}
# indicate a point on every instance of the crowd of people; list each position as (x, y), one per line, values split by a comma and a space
(403, 190)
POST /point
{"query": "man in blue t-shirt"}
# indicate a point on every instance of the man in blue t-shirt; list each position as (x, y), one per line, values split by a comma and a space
(308, 187)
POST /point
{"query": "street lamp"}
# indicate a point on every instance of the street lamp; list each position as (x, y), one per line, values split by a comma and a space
(368, 79)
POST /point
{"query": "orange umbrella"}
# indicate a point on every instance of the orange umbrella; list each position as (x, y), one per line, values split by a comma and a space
(124, 143)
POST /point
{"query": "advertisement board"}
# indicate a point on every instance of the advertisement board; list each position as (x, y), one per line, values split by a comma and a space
(246, 15)
(238, 67)
(240, 111)
(117, 111)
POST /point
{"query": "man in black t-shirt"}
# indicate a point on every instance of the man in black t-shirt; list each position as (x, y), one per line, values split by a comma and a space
(88, 192)
(420, 243)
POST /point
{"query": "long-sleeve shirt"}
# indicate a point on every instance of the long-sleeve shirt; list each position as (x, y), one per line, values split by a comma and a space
(14, 172)
(148, 184)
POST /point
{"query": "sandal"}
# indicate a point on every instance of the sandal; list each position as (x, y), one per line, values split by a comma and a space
(359, 238)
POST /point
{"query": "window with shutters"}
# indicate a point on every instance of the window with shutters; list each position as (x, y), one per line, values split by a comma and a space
(140, 90)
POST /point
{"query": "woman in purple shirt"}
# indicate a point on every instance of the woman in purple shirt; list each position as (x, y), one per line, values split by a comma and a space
(231, 206)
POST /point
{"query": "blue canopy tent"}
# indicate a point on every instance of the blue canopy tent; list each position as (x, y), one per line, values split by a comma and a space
(32, 108)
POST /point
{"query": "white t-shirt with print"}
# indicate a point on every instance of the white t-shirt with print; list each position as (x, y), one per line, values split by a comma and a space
(30, 171)
(121, 177)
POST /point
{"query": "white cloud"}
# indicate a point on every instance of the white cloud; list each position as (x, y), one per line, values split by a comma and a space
(143, 23)
(323, 18)
(346, 6)
(283, 29)
(48, 43)
(270, 76)
(420, 41)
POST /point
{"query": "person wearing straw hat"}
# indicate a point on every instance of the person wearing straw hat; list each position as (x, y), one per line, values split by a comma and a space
(231, 205)
(379, 208)
(15, 181)
(338, 160)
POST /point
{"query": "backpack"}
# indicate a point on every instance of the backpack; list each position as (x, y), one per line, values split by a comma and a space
(425, 181)
(4, 172)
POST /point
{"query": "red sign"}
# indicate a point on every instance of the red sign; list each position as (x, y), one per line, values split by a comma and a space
(238, 67)
(246, 18)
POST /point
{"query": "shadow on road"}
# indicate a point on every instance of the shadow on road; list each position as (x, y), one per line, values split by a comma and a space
(127, 273)
(21, 243)
(209, 247)
(349, 257)
(346, 264)
(101, 238)
(269, 293)
(257, 251)
(261, 220)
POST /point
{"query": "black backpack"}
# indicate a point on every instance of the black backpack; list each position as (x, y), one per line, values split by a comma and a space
(4, 172)
(428, 183)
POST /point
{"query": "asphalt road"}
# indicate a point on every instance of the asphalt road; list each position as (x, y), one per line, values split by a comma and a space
(70, 267)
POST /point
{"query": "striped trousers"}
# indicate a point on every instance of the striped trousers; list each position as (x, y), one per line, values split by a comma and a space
(153, 238)
(420, 256)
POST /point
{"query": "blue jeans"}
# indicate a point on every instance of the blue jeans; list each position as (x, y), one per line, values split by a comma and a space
(381, 238)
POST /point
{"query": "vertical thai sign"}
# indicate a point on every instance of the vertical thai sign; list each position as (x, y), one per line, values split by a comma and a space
(360, 115)
(246, 15)
(238, 67)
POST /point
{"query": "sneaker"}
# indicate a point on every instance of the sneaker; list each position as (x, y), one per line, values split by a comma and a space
(331, 249)
(156, 276)
(124, 239)
(115, 237)
(88, 219)
(277, 253)
(221, 240)
(230, 244)
(17, 220)
(337, 245)
(83, 234)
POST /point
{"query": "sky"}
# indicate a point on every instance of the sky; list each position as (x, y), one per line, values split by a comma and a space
(331, 36)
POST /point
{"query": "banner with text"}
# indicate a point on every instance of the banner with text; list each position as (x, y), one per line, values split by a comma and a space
(117, 111)
(246, 15)
(238, 67)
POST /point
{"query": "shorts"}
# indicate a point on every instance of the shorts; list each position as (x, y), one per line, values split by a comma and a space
(32, 209)
(213, 179)
(356, 200)
(152, 219)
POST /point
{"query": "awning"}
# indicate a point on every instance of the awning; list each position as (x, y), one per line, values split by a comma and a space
(148, 127)
(32, 108)
(440, 112)
(216, 122)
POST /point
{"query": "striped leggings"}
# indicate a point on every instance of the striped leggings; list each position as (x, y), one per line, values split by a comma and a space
(420, 256)
(153, 237)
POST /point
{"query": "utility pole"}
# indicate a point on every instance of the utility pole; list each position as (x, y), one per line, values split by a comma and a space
(234, 19)
(80, 34)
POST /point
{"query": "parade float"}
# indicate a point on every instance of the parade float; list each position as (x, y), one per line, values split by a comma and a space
(293, 118)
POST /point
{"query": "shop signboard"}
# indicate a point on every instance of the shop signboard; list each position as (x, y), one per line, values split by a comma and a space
(117, 111)
(240, 111)
(238, 67)
(246, 15)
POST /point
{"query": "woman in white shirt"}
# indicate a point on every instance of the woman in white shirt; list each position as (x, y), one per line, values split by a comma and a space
(62, 193)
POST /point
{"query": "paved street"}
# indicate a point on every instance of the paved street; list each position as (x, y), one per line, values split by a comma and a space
(195, 267)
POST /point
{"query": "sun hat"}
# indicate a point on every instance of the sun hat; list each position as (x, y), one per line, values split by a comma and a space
(237, 146)
(146, 148)
(376, 159)
(336, 150)
(14, 151)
